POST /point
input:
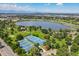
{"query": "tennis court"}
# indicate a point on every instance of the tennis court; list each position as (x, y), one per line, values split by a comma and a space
(35, 39)
(26, 45)
(28, 42)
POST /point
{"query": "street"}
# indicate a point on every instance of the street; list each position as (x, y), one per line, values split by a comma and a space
(6, 50)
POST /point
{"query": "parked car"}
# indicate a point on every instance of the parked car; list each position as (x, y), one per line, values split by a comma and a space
(1, 46)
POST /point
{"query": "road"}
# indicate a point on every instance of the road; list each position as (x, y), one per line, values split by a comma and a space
(6, 50)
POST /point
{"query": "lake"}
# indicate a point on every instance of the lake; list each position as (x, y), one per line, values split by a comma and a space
(43, 24)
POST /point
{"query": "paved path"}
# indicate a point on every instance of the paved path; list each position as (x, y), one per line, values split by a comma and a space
(6, 50)
(69, 47)
(49, 52)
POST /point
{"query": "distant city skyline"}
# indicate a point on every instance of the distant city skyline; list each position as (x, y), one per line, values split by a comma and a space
(39, 7)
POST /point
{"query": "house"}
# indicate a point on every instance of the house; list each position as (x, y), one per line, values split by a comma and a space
(47, 51)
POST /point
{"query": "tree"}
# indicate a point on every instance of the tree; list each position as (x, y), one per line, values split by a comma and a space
(30, 28)
(45, 31)
(63, 51)
(76, 40)
(74, 48)
(69, 43)
(77, 30)
(19, 37)
(20, 51)
(36, 44)
(50, 29)
(40, 27)
(34, 52)
(68, 38)
(47, 37)
(57, 46)
(15, 46)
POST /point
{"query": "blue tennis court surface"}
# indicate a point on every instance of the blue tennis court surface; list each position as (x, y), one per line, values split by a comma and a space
(25, 44)
(28, 42)
(35, 39)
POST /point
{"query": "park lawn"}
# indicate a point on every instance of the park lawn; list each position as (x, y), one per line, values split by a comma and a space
(13, 38)
(38, 33)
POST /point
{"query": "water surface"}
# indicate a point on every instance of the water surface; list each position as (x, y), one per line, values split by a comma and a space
(52, 25)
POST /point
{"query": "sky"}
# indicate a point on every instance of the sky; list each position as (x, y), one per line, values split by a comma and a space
(39, 7)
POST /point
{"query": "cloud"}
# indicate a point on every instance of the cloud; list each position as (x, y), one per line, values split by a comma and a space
(59, 4)
(26, 8)
(15, 7)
